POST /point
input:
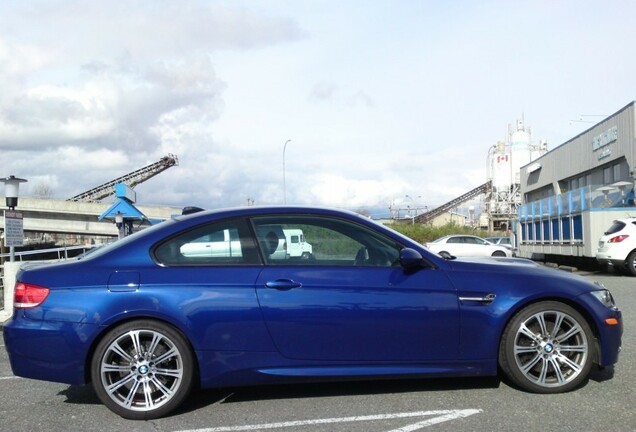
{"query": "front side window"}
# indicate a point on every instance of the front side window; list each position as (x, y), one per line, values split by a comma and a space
(322, 241)
(218, 243)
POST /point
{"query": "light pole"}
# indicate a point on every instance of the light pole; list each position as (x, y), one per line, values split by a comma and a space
(415, 209)
(284, 181)
(11, 187)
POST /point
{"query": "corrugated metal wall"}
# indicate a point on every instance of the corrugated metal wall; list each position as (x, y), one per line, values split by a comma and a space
(578, 156)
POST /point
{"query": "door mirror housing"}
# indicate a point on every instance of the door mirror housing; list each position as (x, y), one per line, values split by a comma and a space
(411, 260)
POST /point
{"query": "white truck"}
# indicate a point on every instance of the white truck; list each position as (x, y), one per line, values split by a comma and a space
(295, 245)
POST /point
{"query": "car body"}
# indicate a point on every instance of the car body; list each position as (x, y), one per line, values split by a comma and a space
(617, 246)
(462, 245)
(502, 241)
(145, 322)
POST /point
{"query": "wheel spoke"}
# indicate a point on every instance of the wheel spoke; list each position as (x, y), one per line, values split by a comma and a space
(575, 329)
(115, 348)
(558, 322)
(174, 373)
(161, 387)
(531, 364)
(540, 317)
(556, 367)
(569, 362)
(134, 337)
(171, 352)
(147, 388)
(524, 330)
(544, 371)
(115, 368)
(574, 348)
(114, 387)
(521, 349)
(156, 338)
(130, 399)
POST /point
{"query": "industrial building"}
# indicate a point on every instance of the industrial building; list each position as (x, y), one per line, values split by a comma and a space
(572, 194)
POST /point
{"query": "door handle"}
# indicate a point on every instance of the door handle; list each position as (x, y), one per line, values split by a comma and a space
(283, 284)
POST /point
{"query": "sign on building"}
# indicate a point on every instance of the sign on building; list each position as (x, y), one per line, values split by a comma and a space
(13, 228)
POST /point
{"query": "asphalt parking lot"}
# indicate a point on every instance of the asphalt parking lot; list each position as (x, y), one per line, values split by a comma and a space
(607, 402)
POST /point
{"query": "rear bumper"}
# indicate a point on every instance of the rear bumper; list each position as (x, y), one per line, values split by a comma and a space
(49, 351)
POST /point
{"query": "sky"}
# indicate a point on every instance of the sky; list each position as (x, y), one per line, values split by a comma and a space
(358, 104)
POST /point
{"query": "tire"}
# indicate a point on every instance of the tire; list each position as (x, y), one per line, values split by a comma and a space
(142, 370)
(498, 254)
(536, 359)
(305, 255)
(630, 263)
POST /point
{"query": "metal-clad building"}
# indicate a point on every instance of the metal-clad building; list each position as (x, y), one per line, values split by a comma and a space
(573, 193)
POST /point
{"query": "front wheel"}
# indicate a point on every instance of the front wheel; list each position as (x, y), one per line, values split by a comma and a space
(547, 348)
(499, 254)
(142, 370)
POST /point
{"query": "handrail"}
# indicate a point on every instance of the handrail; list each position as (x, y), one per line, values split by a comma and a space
(57, 250)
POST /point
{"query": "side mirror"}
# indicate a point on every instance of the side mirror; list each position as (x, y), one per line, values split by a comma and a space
(410, 259)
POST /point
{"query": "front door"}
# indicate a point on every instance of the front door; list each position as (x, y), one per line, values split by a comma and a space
(353, 302)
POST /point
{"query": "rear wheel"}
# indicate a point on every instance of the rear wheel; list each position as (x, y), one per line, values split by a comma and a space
(142, 369)
(547, 348)
(630, 264)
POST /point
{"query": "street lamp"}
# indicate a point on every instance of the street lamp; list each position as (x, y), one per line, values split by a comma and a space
(119, 223)
(11, 186)
(284, 182)
(12, 220)
(415, 209)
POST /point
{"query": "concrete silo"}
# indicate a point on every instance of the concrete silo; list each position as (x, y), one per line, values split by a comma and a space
(504, 163)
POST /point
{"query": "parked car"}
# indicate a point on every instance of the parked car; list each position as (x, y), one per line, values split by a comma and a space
(502, 241)
(461, 245)
(145, 321)
(617, 246)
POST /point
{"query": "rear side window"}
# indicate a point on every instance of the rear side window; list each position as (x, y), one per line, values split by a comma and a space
(616, 227)
(221, 243)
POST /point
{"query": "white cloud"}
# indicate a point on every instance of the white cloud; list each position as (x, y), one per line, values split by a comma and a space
(380, 101)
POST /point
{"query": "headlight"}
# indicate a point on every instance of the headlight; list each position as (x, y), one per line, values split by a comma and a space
(604, 296)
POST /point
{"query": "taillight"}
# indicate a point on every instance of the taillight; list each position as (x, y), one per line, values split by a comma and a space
(28, 295)
(618, 239)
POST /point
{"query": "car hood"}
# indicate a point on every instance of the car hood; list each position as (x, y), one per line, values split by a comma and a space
(492, 262)
(518, 271)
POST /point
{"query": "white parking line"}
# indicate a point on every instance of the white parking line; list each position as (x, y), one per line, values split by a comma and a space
(8, 378)
(441, 416)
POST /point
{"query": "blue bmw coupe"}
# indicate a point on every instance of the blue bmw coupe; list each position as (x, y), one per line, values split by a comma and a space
(287, 294)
